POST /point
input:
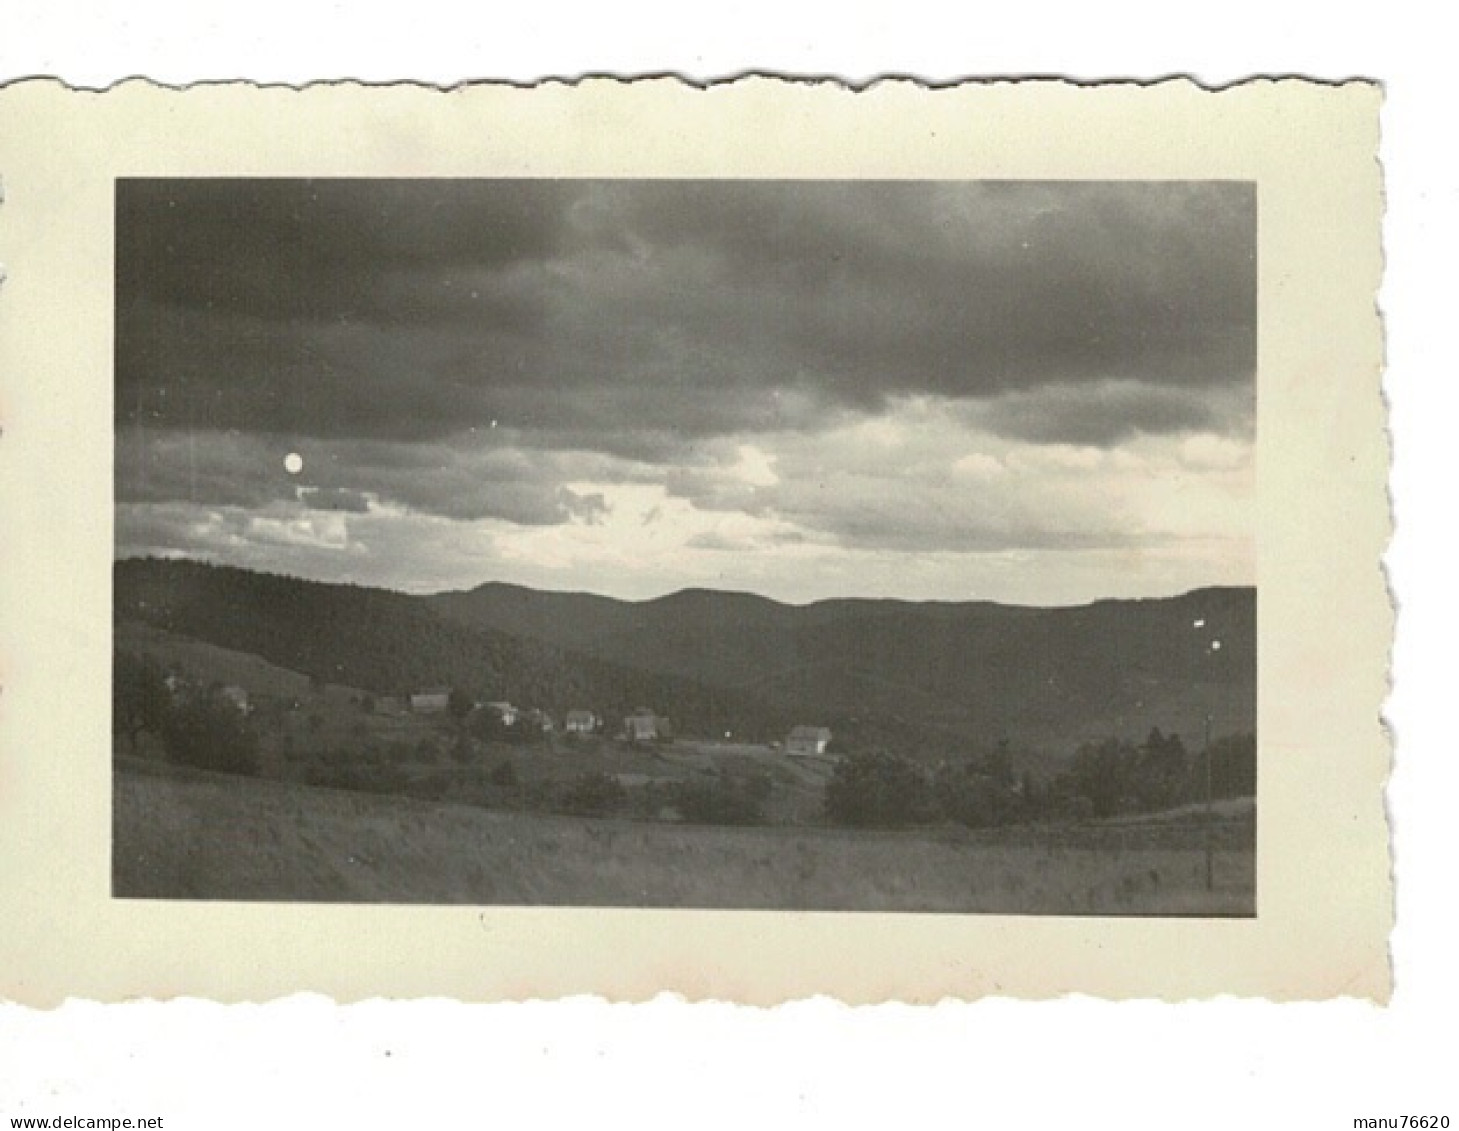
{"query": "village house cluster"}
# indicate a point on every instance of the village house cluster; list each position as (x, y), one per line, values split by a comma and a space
(437, 701)
(643, 725)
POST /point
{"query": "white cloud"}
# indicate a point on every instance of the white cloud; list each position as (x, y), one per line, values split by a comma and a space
(1057, 458)
(755, 467)
(325, 531)
(1206, 451)
(979, 466)
(920, 502)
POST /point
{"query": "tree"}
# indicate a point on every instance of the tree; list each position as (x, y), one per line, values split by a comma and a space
(140, 701)
(489, 726)
(971, 795)
(1102, 773)
(209, 732)
(729, 799)
(593, 794)
(1031, 794)
(999, 764)
(460, 704)
(1161, 771)
(504, 774)
(879, 789)
(1233, 766)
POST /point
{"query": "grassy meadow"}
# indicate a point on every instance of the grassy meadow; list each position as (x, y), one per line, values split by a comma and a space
(192, 834)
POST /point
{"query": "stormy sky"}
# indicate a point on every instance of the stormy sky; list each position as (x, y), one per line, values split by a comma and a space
(1040, 392)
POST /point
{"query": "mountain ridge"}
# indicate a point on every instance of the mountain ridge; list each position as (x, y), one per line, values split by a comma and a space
(907, 602)
(937, 675)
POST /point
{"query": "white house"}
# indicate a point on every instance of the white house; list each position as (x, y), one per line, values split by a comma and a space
(390, 705)
(641, 726)
(430, 701)
(580, 722)
(236, 695)
(504, 711)
(808, 740)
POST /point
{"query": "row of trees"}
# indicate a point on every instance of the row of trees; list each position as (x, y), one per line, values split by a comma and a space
(1105, 779)
(195, 726)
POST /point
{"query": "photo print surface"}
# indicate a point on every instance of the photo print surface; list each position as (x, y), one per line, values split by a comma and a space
(806, 545)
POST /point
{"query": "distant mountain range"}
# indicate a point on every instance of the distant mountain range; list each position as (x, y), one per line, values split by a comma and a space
(932, 677)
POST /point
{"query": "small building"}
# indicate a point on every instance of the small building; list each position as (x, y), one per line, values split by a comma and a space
(642, 726)
(580, 722)
(538, 719)
(430, 701)
(391, 705)
(504, 711)
(236, 695)
(808, 740)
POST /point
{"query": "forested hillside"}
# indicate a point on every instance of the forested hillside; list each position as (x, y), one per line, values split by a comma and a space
(389, 642)
(933, 679)
(1050, 677)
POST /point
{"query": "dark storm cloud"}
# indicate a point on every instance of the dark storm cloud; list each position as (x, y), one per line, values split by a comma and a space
(335, 499)
(376, 250)
(221, 469)
(464, 482)
(634, 317)
(170, 528)
(863, 291)
(709, 489)
(1098, 415)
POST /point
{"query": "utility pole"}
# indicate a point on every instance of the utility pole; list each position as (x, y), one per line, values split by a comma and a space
(1211, 649)
(1210, 817)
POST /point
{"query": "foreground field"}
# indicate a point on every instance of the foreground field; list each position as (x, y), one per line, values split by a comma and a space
(193, 835)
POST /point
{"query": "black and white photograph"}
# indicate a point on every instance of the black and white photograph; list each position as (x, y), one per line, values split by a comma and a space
(808, 545)
(839, 565)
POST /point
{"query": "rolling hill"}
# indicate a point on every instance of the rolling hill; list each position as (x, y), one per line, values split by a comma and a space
(1038, 676)
(926, 677)
(387, 642)
(189, 834)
